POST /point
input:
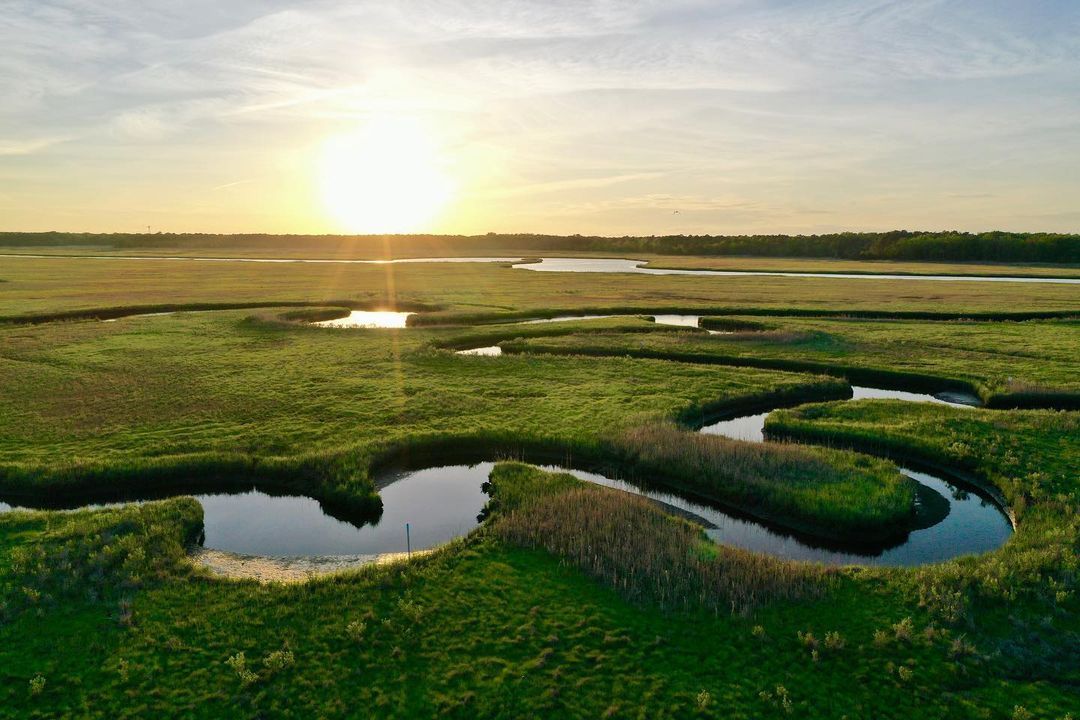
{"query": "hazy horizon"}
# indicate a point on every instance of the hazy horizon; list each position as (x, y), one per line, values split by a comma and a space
(593, 118)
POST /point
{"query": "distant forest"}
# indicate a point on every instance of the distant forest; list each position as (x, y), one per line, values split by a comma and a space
(894, 245)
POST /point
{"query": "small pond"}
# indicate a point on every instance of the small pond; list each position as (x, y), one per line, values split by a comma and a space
(439, 503)
(488, 351)
(368, 319)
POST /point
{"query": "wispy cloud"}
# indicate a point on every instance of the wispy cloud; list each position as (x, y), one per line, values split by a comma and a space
(791, 106)
(28, 147)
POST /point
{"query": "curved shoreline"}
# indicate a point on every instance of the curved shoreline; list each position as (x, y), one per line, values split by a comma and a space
(581, 459)
(898, 452)
(303, 475)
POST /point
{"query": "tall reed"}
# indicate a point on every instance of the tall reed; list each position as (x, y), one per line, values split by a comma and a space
(635, 547)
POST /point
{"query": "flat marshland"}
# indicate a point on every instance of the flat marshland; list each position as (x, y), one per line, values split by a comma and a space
(568, 600)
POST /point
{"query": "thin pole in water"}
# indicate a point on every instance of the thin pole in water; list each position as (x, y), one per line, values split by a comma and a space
(408, 540)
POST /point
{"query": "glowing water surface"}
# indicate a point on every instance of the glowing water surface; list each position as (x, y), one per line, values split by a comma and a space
(368, 319)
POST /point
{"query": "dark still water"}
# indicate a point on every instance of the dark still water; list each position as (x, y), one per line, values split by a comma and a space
(752, 427)
(443, 503)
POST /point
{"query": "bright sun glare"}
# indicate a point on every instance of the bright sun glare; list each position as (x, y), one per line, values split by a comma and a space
(387, 177)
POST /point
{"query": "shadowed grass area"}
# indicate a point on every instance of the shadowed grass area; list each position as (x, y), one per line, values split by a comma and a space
(307, 311)
(716, 316)
(632, 545)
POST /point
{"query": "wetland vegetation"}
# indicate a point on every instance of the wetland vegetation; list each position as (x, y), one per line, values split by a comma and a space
(568, 599)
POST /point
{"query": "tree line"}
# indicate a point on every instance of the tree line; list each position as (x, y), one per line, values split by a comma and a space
(996, 246)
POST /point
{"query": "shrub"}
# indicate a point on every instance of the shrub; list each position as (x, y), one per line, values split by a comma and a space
(356, 630)
(238, 663)
(278, 660)
(808, 640)
(904, 630)
(960, 647)
(779, 698)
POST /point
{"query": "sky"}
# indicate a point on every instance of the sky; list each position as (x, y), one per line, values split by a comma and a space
(591, 117)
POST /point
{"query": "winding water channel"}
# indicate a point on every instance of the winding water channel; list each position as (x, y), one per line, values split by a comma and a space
(638, 267)
(444, 502)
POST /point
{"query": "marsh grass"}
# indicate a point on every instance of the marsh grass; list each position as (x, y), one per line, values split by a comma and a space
(838, 495)
(120, 311)
(635, 547)
(1032, 458)
(1008, 365)
(95, 555)
(485, 627)
(660, 346)
(227, 402)
(734, 324)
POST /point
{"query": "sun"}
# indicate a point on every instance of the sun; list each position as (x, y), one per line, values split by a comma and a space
(387, 177)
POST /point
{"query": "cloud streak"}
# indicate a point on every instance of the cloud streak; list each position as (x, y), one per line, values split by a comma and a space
(599, 104)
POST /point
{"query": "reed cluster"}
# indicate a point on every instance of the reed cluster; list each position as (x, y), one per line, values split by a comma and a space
(832, 494)
(635, 547)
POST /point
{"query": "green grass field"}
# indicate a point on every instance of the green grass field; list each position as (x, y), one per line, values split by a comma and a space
(998, 360)
(570, 600)
(50, 285)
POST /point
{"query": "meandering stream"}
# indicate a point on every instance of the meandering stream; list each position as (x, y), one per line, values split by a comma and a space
(444, 502)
